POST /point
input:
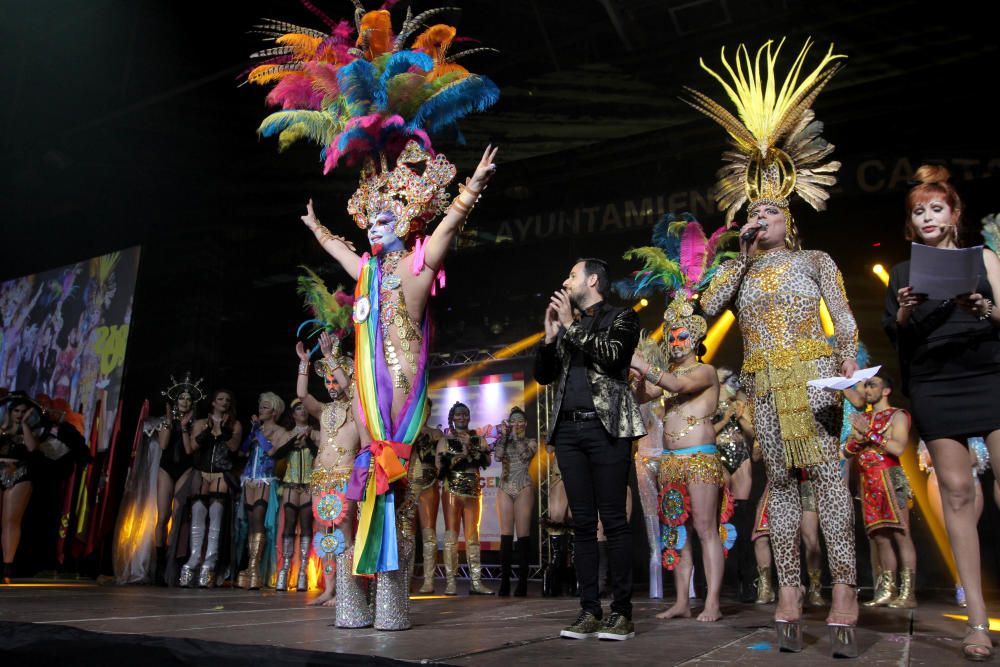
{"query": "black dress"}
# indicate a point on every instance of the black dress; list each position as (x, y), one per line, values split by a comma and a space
(950, 362)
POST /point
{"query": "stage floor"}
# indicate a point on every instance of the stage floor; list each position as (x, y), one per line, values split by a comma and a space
(461, 630)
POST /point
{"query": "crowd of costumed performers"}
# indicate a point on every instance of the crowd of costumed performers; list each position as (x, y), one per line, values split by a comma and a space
(346, 484)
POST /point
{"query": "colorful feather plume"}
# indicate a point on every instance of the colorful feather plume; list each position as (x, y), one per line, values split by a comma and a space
(369, 98)
(682, 260)
(331, 312)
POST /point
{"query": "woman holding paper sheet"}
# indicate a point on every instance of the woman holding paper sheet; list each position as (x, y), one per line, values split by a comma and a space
(949, 354)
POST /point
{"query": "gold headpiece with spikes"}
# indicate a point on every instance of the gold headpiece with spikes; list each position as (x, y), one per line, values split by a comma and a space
(414, 198)
(758, 170)
(680, 313)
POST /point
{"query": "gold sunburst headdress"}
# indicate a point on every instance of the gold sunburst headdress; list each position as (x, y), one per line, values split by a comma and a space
(777, 147)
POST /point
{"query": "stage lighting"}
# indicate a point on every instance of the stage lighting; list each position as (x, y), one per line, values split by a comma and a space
(883, 275)
(715, 335)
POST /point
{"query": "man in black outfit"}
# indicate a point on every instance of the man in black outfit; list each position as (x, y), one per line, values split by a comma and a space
(587, 349)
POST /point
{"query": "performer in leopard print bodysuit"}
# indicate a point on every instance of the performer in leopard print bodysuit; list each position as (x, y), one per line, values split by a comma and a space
(776, 288)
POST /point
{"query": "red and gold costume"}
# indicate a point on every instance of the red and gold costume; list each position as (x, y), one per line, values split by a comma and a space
(885, 487)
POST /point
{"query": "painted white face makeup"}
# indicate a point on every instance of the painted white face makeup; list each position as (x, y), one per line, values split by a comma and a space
(681, 342)
(382, 233)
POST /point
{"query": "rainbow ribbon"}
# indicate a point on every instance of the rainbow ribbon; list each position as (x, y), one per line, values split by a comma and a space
(385, 459)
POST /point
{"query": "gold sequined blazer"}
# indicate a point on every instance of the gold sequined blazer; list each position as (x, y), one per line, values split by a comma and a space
(607, 347)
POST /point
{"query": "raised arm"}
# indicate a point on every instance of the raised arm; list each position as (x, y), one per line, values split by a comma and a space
(337, 247)
(845, 328)
(725, 285)
(314, 407)
(453, 221)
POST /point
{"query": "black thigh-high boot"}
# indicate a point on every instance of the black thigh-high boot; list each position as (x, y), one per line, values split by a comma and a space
(523, 548)
(506, 543)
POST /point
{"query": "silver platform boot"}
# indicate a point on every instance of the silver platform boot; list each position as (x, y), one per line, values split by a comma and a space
(281, 584)
(303, 583)
(198, 514)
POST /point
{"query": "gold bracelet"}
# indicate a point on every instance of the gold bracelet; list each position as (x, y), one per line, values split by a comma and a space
(461, 206)
(654, 379)
(322, 234)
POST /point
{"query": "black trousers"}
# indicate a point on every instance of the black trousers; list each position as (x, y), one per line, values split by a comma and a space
(595, 468)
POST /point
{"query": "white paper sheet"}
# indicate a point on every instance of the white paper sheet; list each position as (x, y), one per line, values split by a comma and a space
(944, 273)
(842, 383)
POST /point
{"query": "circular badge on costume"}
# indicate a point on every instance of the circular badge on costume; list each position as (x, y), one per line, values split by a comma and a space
(362, 307)
(329, 544)
(331, 507)
(726, 507)
(670, 559)
(727, 534)
(673, 537)
(390, 281)
(675, 506)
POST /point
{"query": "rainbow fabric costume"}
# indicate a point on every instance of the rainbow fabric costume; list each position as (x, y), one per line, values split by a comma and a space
(385, 460)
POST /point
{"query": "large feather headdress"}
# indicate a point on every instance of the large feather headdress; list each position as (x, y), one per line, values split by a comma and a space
(374, 102)
(681, 263)
(777, 147)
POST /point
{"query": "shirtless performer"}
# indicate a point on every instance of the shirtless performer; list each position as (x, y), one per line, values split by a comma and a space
(338, 444)
(690, 457)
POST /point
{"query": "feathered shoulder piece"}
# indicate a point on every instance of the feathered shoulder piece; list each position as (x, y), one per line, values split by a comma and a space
(329, 312)
(365, 98)
(991, 232)
(777, 147)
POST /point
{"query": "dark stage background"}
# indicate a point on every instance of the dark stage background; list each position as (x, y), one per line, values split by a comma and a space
(125, 125)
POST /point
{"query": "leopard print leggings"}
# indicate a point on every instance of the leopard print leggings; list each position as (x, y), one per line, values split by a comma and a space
(836, 517)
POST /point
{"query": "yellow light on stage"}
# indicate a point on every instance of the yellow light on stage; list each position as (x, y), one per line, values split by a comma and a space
(713, 339)
(825, 319)
(504, 353)
(994, 622)
(644, 302)
(657, 335)
(640, 304)
(882, 274)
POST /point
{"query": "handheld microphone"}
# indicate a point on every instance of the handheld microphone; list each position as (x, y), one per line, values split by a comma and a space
(749, 235)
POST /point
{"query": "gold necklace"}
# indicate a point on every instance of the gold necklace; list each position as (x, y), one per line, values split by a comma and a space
(692, 421)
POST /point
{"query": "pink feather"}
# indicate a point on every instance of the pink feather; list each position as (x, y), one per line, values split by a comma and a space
(295, 91)
(693, 253)
(713, 240)
(324, 79)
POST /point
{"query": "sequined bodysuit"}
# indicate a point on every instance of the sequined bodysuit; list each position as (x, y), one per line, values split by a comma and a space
(515, 455)
(777, 297)
(462, 475)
